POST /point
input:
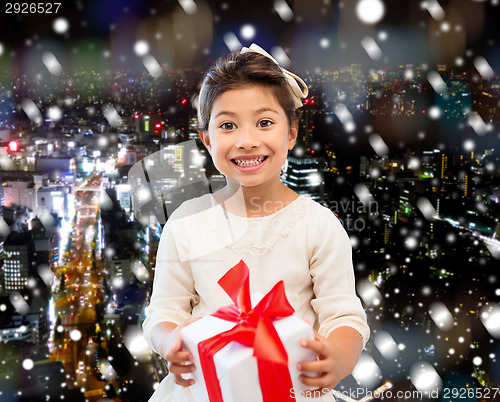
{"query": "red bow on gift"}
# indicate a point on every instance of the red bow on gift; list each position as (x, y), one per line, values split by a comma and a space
(254, 329)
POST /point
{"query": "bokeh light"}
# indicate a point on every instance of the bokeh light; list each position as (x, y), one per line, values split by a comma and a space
(28, 364)
(248, 31)
(141, 48)
(370, 11)
(425, 377)
(61, 25)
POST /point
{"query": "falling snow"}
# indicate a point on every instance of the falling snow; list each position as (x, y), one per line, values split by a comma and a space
(53, 65)
(424, 271)
(248, 32)
(232, 42)
(280, 55)
(378, 145)
(141, 48)
(483, 67)
(477, 123)
(437, 82)
(435, 112)
(371, 47)
(425, 378)
(61, 25)
(31, 111)
(345, 117)
(434, 9)
(370, 11)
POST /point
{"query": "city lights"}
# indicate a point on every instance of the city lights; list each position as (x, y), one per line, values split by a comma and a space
(398, 139)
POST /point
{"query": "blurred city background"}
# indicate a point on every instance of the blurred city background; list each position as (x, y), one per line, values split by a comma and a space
(399, 138)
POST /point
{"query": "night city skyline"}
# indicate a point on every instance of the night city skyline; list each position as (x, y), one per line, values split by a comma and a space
(399, 137)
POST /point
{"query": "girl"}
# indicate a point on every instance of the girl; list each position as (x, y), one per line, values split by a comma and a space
(248, 115)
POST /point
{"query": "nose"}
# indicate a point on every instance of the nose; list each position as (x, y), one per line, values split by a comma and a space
(247, 138)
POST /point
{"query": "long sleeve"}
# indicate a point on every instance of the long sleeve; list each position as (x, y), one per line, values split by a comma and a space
(336, 303)
(173, 294)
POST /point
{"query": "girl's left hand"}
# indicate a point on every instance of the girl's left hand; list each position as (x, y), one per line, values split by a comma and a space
(326, 366)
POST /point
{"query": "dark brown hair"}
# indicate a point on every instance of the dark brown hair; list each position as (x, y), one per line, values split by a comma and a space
(236, 70)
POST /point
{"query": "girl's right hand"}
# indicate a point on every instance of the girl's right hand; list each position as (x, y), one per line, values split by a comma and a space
(180, 360)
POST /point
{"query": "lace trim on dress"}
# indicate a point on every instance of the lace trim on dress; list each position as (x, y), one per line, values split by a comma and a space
(253, 248)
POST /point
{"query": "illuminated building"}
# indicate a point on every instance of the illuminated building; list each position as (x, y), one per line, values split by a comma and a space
(164, 179)
(364, 166)
(354, 72)
(59, 165)
(149, 125)
(306, 125)
(304, 176)
(429, 165)
(443, 172)
(54, 199)
(119, 238)
(130, 155)
(36, 194)
(30, 327)
(20, 192)
(405, 201)
(457, 102)
(18, 252)
(46, 239)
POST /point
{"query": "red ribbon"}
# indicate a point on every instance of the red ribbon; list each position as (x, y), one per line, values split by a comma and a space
(254, 329)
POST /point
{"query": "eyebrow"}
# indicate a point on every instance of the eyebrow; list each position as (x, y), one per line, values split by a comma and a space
(261, 110)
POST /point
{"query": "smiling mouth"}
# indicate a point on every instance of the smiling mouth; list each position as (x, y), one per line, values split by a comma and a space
(249, 162)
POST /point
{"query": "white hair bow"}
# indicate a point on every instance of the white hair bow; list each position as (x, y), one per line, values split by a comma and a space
(297, 92)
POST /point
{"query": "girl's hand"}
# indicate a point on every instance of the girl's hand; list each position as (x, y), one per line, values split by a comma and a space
(327, 365)
(179, 358)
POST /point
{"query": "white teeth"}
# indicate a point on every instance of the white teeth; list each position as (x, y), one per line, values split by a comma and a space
(249, 162)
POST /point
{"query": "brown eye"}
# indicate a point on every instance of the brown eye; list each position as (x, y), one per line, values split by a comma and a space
(265, 123)
(227, 126)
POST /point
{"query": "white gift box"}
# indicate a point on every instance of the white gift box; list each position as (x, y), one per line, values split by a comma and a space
(235, 365)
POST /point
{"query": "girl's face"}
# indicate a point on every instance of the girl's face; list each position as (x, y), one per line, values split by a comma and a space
(249, 135)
